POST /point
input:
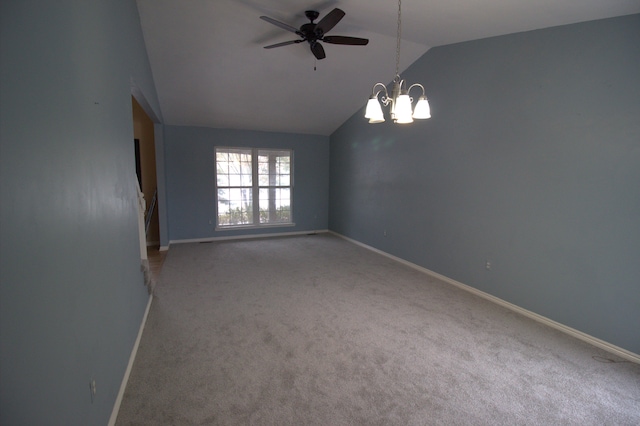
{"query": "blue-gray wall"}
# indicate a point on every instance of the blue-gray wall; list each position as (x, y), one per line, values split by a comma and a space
(531, 161)
(71, 291)
(190, 179)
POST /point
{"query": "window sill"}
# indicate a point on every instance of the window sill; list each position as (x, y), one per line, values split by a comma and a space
(264, 226)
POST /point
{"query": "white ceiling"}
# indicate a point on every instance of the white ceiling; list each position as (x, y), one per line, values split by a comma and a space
(210, 68)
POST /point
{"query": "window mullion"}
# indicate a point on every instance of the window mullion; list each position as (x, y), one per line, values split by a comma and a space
(272, 185)
(255, 196)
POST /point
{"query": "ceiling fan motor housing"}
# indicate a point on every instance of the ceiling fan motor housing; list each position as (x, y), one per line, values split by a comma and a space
(310, 32)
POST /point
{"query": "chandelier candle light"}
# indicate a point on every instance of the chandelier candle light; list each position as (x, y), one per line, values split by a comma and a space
(399, 99)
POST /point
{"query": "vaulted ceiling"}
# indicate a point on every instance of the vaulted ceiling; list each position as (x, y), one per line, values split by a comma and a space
(210, 67)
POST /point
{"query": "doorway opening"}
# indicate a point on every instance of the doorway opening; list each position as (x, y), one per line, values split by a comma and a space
(145, 157)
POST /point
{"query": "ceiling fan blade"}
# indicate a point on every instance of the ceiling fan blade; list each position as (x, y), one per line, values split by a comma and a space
(318, 50)
(330, 20)
(353, 41)
(284, 43)
(280, 24)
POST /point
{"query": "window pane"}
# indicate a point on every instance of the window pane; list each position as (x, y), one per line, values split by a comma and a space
(263, 165)
(263, 180)
(222, 167)
(234, 182)
(223, 195)
(274, 172)
(274, 168)
(222, 180)
(239, 210)
(245, 168)
(223, 208)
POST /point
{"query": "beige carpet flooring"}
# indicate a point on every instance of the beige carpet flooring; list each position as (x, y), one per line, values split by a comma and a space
(314, 330)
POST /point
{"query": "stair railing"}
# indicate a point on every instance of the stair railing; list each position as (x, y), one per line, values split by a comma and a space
(152, 207)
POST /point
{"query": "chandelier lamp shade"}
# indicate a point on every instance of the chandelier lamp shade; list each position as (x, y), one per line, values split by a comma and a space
(400, 103)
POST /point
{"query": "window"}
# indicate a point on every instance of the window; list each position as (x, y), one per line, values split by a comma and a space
(254, 187)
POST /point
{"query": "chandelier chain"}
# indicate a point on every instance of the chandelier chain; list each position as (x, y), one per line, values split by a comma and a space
(399, 99)
(398, 40)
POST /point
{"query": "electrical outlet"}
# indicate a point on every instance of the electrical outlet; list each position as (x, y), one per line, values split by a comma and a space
(487, 266)
(384, 233)
(92, 388)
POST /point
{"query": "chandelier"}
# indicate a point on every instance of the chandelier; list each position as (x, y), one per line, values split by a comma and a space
(399, 100)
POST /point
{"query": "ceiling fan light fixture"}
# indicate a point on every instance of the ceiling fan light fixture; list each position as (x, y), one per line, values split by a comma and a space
(401, 108)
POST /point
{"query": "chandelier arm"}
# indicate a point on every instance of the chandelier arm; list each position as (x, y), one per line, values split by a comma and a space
(401, 84)
(373, 90)
(420, 86)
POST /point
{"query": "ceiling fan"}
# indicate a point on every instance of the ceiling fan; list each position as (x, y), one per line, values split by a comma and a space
(314, 33)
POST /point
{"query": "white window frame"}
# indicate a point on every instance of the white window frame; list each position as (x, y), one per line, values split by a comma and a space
(255, 188)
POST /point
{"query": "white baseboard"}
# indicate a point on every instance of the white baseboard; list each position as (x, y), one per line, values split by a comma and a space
(621, 352)
(127, 373)
(245, 237)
